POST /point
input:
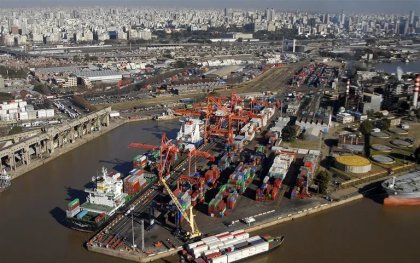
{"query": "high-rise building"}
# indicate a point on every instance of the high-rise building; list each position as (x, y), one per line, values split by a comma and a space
(411, 17)
(269, 14)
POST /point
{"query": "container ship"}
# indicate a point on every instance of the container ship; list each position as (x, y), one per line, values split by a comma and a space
(5, 181)
(190, 133)
(109, 193)
(403, 190)
(229, 247)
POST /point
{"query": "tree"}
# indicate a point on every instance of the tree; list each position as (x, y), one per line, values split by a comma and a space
(15, 130)
(324, 180)
(383, 124)
(83, 103)
(366, 129)
(288, 133)
(41, 88)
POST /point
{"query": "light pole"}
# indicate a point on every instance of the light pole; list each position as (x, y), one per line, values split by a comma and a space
(132, 229)
(131, 210)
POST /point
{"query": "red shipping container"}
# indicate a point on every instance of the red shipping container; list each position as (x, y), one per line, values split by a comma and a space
(213, 255)
(278, 182)
(99, 217)
(177, 192)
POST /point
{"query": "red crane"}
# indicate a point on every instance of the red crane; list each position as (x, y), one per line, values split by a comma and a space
(167, 150)
(196, 152)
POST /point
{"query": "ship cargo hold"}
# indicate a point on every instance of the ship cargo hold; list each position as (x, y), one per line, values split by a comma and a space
(403, 190)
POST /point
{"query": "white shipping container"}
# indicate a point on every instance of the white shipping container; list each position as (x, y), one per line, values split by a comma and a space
(195, 244)
(207, 239)
(215, 245)
(197, 255)
(231, 241)
(234, 256)
(13, 105)
(242, 236)
(221, 259)
(208, 242)
(200, 248)
(11, 111)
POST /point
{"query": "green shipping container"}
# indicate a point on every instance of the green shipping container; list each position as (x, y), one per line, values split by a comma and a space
(74, 202)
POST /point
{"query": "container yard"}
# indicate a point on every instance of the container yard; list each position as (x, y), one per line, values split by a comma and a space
(210, 179)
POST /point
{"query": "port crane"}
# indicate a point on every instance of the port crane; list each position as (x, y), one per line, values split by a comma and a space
(168, 151)
(195, 152)
(166, 148)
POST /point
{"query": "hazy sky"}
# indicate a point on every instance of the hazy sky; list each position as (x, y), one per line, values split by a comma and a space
(365, 6)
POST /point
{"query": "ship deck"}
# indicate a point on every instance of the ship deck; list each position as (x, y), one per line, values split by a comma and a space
(408, 183)
(97, 208)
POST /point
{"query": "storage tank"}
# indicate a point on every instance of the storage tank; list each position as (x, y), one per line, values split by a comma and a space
(353, 164)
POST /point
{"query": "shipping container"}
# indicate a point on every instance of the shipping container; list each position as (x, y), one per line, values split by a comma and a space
(220, 259)
(81, 214)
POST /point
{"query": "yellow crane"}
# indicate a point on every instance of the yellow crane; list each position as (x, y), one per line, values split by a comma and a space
(189, 217)
(168, 148)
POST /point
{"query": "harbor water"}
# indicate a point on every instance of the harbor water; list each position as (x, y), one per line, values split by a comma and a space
(32, 213)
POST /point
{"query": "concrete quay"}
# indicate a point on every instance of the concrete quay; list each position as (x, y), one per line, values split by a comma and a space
(139, 256)
(27, 153)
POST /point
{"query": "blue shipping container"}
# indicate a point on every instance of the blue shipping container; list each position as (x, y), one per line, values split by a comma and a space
(81, 214)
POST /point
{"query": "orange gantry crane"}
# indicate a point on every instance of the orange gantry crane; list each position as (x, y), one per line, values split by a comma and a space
(167, 152)
(196, 152)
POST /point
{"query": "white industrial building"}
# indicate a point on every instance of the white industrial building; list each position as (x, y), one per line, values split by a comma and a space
(19, 110)
(100, 75)
(344, 118)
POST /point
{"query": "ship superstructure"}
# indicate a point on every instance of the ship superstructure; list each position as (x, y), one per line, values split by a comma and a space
(191, 132)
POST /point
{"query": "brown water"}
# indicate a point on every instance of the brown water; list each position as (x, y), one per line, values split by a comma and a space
(31, 212)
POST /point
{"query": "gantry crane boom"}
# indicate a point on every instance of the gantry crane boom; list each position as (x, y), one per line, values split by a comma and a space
(168, 148)
(142, 146)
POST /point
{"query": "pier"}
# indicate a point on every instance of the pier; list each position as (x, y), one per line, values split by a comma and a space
(42, 143)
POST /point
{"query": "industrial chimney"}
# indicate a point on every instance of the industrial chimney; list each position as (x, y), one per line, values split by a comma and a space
(347, 93)
(416, 92)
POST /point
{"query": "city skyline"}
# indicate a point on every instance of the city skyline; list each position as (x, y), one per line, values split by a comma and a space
(356, 6)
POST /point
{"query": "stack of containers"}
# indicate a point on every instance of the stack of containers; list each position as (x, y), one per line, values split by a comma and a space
(73, 208)
(269, 189)
(306, 172)
(185, 200)
(225, 199)
(242, 176)
(134, 182)
(281, 165)
(212, 175)
(140, 161)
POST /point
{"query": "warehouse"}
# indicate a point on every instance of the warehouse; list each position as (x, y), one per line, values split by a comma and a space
(102, 75)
